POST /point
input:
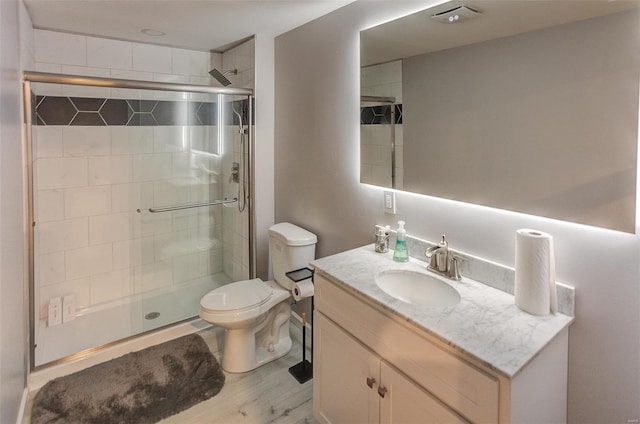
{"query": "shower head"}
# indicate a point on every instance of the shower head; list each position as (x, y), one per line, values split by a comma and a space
(221, 76)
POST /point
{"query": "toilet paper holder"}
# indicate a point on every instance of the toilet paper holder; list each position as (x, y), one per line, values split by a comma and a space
(303, 371)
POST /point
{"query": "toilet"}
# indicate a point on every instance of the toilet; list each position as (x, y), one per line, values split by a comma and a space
(254, 313)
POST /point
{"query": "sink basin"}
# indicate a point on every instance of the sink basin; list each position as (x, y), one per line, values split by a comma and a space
(417, 288)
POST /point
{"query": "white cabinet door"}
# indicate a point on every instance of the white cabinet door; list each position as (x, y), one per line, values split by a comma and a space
(343, 369)
(405, 402)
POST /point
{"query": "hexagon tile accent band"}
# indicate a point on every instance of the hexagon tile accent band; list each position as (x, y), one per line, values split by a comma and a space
(375, 115)
(57, 110)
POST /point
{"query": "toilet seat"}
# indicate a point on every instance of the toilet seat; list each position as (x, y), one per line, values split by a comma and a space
(237, 296)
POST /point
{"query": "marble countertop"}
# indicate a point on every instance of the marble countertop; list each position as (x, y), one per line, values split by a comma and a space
(486, 324)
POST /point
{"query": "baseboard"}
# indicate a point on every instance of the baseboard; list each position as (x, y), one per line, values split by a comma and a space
(23, 405)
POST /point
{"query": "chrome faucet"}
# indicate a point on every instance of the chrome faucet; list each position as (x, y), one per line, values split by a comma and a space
(443, 262)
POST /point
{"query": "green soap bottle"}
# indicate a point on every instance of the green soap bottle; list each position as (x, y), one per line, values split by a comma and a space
(401, 253)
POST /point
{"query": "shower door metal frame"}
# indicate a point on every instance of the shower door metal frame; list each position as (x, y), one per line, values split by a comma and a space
(29, 77)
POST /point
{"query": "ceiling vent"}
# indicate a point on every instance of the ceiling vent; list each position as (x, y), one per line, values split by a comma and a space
(457, 14)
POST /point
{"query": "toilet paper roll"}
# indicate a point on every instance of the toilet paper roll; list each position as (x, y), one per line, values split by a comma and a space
(535, 279)
(302, 290)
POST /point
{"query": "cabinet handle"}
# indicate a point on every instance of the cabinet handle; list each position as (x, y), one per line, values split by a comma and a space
(382, 391)
(371, 382)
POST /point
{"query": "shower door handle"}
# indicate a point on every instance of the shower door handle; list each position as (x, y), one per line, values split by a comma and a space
(193, 205)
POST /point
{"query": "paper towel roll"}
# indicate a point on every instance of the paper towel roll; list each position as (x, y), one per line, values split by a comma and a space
(535, 280)
(302, 290)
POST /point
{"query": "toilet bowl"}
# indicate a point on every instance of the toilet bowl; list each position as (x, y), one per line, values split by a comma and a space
(254, 313)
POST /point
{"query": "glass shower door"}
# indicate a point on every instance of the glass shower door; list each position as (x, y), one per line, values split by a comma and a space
(136, 211)
(194, 208)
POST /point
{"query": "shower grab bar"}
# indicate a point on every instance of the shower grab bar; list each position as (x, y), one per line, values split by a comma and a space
(193, 205)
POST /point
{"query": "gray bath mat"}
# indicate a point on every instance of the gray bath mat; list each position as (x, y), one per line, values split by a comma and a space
(140, 387)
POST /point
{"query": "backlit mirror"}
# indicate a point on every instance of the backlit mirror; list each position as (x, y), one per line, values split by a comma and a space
(529, 106)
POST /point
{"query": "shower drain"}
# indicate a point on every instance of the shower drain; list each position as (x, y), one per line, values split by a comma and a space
(152, 315)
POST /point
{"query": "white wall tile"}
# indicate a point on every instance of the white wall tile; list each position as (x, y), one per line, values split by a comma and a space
(109, 228)
(216, 261)
(154, 276)
(63, 235)
(85, 91)
(88, 261)
(49, 205)
(86, 141)
(48, 141)
(111, 286)
(54, 68)
(110, 170)
(166, 194)
(170, 138)
(135, 252)
(131, 140)
(86, 71)
(132, 75)
(105, 53)
(146, 224)
(47, 89)
(62, 48)
(127, 93)
(150, 58)
(190, 267)
(207, 80)
(87, 201)
(51, 268)
(151, 167)
(176, 79)
(61, 173)
(189, 62)
(132, 196)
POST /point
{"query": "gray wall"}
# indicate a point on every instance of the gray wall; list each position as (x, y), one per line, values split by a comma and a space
(555, 91)
(12, 311)
(316, 186)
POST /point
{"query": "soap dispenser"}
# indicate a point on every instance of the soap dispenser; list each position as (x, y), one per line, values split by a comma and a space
(400, 253)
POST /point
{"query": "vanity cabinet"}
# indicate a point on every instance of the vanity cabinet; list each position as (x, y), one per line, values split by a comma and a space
(357, 386)
(373, 366)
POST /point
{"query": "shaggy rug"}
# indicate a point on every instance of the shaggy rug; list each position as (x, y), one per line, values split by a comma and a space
(139, 387)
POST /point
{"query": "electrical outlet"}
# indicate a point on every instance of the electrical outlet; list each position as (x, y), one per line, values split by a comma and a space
(390, 202)
(55, 312)
(68, 308)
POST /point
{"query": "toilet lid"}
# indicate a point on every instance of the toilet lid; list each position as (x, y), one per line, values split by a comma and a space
(238, 295)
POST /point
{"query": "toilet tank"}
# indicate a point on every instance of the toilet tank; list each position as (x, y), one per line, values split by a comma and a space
(291, 248)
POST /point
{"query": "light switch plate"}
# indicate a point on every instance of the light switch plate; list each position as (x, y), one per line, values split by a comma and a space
(390, 202)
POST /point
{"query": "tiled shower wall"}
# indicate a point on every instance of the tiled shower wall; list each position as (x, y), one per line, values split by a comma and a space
(93, 56)
(92, 179)
(384, 80)
(91, 240)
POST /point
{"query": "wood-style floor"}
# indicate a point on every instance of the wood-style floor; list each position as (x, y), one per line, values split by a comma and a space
(268, 394)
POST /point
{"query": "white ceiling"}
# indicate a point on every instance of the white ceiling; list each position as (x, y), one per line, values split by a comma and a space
(195, 24)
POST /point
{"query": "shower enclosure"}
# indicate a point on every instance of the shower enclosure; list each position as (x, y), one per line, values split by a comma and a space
(140, 202)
